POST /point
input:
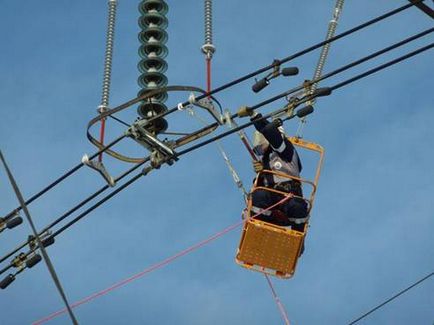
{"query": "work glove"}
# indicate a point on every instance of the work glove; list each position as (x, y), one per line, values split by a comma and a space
(257, 166)
(244, 111)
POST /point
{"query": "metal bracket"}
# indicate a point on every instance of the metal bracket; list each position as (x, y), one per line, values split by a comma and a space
(19, 260)
(100, 168)
(33, 244)
(206, 104)
(161, 152)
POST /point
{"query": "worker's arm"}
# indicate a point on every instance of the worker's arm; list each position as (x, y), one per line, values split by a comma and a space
(277, 140)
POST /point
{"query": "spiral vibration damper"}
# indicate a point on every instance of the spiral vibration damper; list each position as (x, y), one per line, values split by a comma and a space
(152, 66)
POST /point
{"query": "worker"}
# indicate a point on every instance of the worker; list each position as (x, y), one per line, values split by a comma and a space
(276, 153)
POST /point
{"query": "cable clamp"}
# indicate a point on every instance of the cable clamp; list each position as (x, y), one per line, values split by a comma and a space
(276, 68)
(192, 99)
(227, 119)
(45, 239)
(181, 107)
(206, 104)
(18, 261)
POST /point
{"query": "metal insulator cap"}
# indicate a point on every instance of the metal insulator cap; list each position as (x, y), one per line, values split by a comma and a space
(153, 5)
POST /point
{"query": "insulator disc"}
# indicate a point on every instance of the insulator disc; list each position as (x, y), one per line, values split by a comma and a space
(148, 110)
(157, 126)
(161, 97)
(152, 79)
(149, 5)
(150, 63)
(151, 109)
(153, 47)
(153, 32)
(153, 18)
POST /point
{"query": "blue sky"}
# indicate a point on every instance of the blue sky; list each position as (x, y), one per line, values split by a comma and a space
(371, 228)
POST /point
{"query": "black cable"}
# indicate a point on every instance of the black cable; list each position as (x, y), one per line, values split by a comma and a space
(346, 67)
(344, 83)
(96, 205)
(61, 178)
(119, 120)
(425, 9)
(375, 54)
(230, 84)
(337, 86)
(381, 67)
(41, 247)
(68, 213)
(296, 55)
(392, 298)
(224, 134)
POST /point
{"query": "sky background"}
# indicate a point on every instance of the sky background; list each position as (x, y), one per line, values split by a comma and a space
(372, 226)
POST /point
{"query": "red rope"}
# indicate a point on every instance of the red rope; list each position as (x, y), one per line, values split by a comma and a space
(101, 137)
(155, 266)
(277, 300)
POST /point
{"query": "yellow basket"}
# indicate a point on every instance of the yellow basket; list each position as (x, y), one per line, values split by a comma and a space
(270, 249)
(273, 249)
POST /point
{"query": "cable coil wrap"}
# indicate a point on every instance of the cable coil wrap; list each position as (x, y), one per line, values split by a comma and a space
(152, 66)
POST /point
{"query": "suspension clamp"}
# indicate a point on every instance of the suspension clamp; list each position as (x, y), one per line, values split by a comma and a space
(161, 152)
(206, 104)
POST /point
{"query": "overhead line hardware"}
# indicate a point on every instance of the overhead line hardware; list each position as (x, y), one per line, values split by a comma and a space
(198, 134)
(60, 179)
(264, 82)
(301, 112)
(10, 222)
(157, 265)
(140, 98)
(300, 53)
(194, 136)
(71, 211)
(33, 261)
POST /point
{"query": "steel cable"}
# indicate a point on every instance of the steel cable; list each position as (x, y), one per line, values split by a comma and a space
(295, 89)
(392, 298)
(138, 99)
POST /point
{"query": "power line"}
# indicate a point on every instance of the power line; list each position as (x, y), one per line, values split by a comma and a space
(230, 84)
(160, 264)
(40, 245)
(392, 298)
(427, 10)
(224, 134)
(298, 54)
(61, 178)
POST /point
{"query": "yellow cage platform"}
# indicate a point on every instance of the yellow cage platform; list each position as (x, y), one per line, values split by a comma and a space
(273, 249)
